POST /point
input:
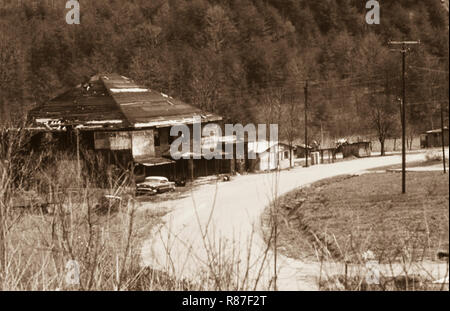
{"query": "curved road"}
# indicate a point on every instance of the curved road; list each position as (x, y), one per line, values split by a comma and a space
(216, 230)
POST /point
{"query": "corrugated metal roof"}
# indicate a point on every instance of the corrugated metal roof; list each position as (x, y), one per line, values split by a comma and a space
(155, 161)
(89, 105)
(112, 100)
(145, 108)
(436, 130)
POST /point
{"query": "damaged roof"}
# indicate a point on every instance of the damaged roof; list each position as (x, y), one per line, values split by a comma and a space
(88, 105)
(112, 100)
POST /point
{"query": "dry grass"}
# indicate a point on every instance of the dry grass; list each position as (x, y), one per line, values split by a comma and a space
(435, 155)
(348, 215)
(37, 245)
(410, 165)
(400, 283)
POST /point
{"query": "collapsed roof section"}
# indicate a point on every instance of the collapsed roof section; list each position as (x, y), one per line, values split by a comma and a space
(143, 107)
(111, 101)
(87, 105)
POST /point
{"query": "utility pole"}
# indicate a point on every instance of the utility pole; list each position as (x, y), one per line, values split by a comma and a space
(403, 50)
(442, 135)
(306, 123)
(77, 131)
(400, 101)
(445, 4)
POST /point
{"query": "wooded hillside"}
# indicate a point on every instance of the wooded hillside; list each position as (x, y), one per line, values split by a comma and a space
(247, 60)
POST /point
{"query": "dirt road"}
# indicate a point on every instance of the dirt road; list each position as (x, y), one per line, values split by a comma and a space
(218, 226)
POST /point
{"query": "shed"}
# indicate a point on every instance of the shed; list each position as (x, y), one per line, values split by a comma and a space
(266, 155)
(358, 149)
(269, 155)
(433, 138)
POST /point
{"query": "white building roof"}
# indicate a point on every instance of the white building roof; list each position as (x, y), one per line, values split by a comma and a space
(260, 146)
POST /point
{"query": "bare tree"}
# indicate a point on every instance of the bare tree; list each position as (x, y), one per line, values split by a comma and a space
(381, 105)
(383, 117)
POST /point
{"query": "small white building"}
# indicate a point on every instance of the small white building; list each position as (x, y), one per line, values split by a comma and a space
(270, 155)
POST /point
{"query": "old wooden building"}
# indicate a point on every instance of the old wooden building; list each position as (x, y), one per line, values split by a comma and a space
(357, 149)
(126, 123)
(433, 138)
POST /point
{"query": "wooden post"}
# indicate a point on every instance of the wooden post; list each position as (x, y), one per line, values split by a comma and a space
(174, 171)
(306, 123)
(443, 136)
(191, 169)
(232, 166)
(215, 166)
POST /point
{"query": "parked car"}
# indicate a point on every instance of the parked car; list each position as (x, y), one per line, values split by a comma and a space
(153, 185)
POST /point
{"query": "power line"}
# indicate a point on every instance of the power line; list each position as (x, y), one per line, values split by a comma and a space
(273, 83)
(427, 69)
(428, 102)
(231, 89)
